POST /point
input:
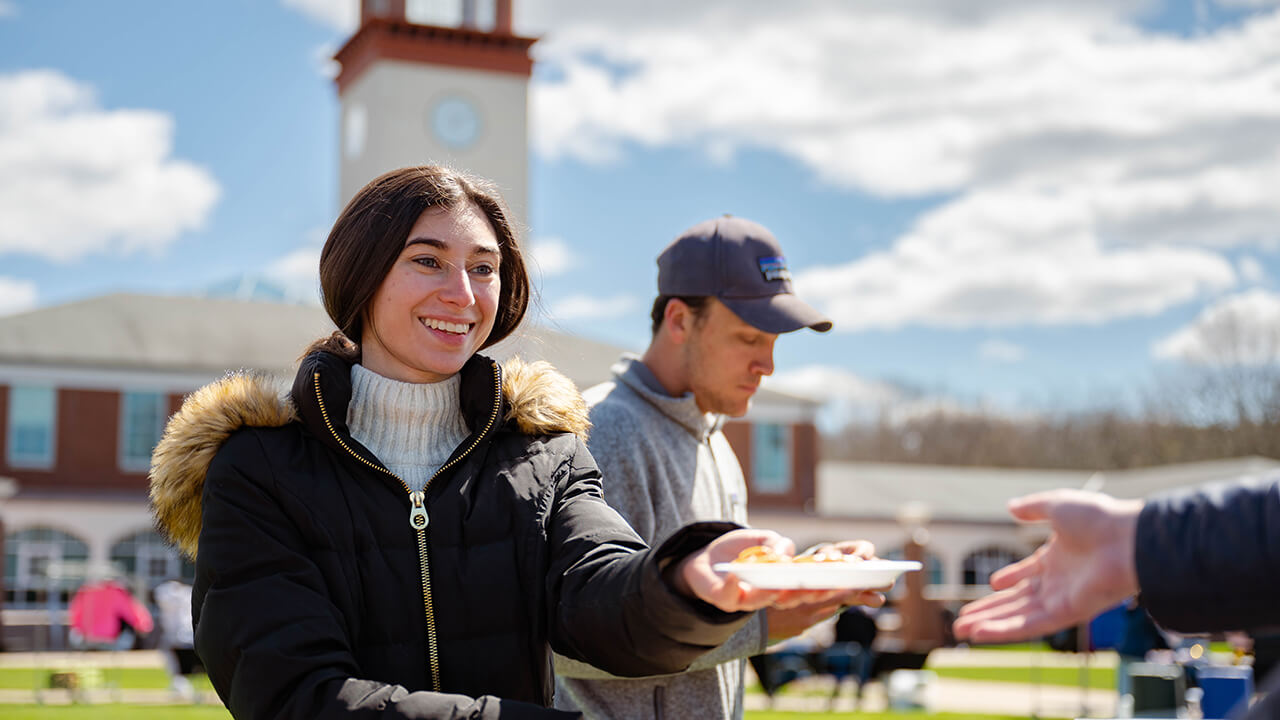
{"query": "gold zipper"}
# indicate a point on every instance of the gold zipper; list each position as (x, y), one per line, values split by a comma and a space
(418, 518)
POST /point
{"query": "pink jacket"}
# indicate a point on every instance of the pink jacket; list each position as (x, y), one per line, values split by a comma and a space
(98, 609)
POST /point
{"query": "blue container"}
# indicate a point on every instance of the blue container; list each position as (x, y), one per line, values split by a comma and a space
(1227, 689)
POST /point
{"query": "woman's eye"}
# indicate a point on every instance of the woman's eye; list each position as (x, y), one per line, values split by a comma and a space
(429, 262)
(484, 269)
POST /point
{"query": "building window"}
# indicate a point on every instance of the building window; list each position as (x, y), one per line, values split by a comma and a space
(932, 566)
(445, 13)
(42, 566)
(979, 564)
(32, 415)
(770, 457)
(142, 417)
(147, 560)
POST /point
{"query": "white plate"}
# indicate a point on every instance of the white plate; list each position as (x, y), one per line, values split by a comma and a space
(820, 575)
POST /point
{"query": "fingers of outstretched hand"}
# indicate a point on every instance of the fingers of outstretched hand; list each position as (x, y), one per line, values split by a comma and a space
(995, 601)
(1034, 507)
(1020, 626)
(1005, 613)
(1013, 573)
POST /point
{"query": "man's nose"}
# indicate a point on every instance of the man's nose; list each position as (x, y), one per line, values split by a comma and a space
(763, 364)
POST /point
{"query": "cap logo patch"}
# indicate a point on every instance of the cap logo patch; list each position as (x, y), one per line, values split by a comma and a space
(774, 268)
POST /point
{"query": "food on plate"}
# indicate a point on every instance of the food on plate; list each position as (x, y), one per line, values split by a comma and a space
(821, 554)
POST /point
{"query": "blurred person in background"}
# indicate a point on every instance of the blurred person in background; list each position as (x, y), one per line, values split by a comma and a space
(177, 639)
(104, 615)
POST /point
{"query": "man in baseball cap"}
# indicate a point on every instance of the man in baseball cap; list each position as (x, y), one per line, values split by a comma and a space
(739, 263)
(724, 296)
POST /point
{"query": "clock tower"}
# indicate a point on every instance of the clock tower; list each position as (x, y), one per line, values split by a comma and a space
(436, 81)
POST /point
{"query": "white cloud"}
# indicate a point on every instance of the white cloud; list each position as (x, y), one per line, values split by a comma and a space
(1087, 169)
(341, 15)
(550, 256)
(297, 274)
(16, 295)
(585, 307)
(1001, 351)
(76, 179)
(848, 398)
(956, 269)
(1251, 270)
(1242, 329)
(902, 99)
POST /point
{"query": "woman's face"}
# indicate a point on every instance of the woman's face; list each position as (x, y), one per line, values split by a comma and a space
(436, 306)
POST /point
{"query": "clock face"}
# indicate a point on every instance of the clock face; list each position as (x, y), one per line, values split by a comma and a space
(455, 121)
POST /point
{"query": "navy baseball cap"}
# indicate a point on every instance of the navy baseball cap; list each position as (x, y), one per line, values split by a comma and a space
(739, 263)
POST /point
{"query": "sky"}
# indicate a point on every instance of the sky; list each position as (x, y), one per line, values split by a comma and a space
(1014, 205)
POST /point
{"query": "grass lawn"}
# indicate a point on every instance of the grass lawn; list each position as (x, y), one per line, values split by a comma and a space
(1017, 647)
(115, 712)
(140, 678)
(1104, 678)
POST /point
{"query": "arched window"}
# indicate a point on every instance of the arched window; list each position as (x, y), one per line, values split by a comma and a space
(147, 560)
(42, 565)
(932, 566)
(979, 564)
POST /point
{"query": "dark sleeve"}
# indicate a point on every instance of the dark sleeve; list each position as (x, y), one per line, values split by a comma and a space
(274, 644)
(608, 603)
(1209, 559)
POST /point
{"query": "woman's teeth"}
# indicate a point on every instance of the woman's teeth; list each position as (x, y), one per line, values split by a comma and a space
(459, 328)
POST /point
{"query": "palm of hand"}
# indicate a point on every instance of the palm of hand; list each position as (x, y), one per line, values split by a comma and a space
(1081, 571)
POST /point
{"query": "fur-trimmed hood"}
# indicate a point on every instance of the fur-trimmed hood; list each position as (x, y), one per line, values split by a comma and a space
(537, 400)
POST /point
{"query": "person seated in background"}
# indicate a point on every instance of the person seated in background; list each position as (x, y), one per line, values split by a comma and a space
(104, 616)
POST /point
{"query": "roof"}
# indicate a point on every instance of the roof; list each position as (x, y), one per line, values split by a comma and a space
(212, 335)
(968, 494)
(163, 333)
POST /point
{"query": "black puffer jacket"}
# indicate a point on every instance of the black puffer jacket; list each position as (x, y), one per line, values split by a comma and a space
(312, 599)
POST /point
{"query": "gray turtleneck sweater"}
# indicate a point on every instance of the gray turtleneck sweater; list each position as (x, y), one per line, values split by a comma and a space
(412, 428)
(665, 464)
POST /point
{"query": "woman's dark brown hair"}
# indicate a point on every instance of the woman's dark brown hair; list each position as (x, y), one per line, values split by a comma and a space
(370, 233)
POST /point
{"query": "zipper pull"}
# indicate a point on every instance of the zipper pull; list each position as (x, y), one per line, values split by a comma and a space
(418, 513)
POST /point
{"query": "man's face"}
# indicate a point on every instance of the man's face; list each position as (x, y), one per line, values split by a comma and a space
(726, 358)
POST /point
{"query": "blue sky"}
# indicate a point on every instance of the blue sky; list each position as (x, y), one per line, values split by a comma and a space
(1018, 205)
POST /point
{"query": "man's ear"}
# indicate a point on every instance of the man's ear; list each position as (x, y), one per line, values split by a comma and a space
(678, 320)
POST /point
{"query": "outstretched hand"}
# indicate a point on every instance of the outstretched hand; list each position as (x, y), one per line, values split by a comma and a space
(695, 576)
(1086, 567)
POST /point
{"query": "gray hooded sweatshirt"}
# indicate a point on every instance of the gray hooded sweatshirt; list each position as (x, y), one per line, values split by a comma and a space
(665, 464)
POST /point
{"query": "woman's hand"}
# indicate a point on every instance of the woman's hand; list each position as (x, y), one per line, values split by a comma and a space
(693, 576)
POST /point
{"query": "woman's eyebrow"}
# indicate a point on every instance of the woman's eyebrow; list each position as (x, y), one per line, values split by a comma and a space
(488, 250)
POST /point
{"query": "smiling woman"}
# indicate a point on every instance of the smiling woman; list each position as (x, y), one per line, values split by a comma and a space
(314, 597)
